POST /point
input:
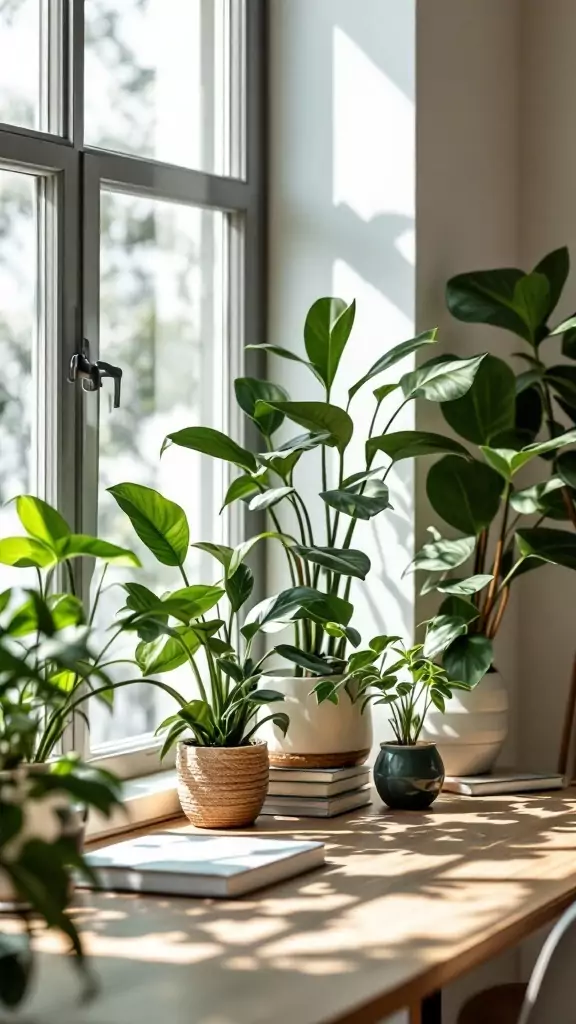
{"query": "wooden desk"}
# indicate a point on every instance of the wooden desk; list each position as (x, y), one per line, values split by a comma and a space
(407, 903)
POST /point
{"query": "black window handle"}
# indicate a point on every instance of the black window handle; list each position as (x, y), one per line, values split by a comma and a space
(91, 373)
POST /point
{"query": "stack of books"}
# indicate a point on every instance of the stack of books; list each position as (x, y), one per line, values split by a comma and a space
(317, 792)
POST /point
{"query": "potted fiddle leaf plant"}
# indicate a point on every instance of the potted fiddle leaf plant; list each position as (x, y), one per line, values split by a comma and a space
(498, 519)
(317, 537)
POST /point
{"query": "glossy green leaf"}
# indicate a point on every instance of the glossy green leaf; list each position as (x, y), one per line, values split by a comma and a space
(269, 498)
(373, 500)
(249, 391)
(566, 325)
(285, 353)
(242, 487)
(569, 343)
(221, 552)
(441, 555)
(193, 601)
(531, 500)
(280, 608)
(78, 545)
(532, 301)
(555, 266)
(465, 494)
(488, 407)
(24, 552)
(441, 632)
(40, 520)
(528, 379)
(346, 632)
(410, 444)
(464, 587)
(468, 658)
(327, 328)
(239, 586)
(393, 356)
(166, 653)
(488, 297)
(562, 378)
(441, 380)
(548, 545)
(286, 456)
(311, 662)
(344, 561)
(318, 417)
(212, 442)
(243, 550)
(566, 468)
(508, 462)
(384, 390)
(327, 608)
(160, 523)
(459, 607)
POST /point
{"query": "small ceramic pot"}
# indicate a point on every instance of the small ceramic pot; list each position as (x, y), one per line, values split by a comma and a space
(222, 787)
(408, 778)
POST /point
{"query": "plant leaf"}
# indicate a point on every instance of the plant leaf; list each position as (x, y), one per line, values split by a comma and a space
(327, 328)
(24, 552)
(441, 555)
(76, 545)
(441, 632)
(373, 500)
(465, 494)
(464, 587)
(548, 545)
(269, 498)
(311, 662)
(555, 267)
(344, 561)
(488, 407)
(285, 353)
(40, 520)
(249, 391)
(532, 301)
(566, 468)
(487, 297)
(459, 607)
(280, 608)
(221, 552)
(442, 380)
(166, 653)
(508, 462)
(409, 444)
(243, 550)
(242, 487)
(161, 524)
(239, 586)
(212, 442)
(394, 355)
(533, 499)
(468, 658)
(317, 417)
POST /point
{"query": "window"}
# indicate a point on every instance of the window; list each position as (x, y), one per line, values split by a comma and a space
(130, 196)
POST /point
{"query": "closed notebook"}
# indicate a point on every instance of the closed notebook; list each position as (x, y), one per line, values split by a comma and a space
(315, 789)
(325, 775)
(501, 782)
(181, 864)
(302, 807)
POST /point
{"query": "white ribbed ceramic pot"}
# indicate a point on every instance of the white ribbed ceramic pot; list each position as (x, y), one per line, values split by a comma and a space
(319, 735)
(470, 734)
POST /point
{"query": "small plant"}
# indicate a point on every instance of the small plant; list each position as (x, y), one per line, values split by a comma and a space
(409, 686)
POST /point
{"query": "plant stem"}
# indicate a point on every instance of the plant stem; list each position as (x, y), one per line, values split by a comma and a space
(493, 587)
(97, 597)
(494, 626)
(70, 572)
(184, 576)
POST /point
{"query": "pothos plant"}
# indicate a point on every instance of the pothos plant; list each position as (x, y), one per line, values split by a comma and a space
(501, 417)
(323, 562)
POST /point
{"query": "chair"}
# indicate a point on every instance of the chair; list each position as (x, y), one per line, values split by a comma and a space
(549, 998)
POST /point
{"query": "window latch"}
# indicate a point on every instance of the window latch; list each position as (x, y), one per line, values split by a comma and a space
(92, 373)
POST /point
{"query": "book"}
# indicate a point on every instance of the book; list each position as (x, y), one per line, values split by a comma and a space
(277, 787)
(181, 864)
(502, 782)
(357, 771)
(317, 807)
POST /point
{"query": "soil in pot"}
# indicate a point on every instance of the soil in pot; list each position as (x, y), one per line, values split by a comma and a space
(222, 787)
(408, 778)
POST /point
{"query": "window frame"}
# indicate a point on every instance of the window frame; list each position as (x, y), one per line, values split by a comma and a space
(71, 232)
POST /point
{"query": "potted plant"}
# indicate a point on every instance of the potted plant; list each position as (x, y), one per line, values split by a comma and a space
(408, 772)
(322, 558)
(499, 520)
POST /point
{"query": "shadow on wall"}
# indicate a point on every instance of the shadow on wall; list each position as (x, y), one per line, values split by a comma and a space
(342, 205)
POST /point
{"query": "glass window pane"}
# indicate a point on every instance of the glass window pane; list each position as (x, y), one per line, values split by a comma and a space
(18, 355)
(159, 79)
(30, 63)
(162, 319)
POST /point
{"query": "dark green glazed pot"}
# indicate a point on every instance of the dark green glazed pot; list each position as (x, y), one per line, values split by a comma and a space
(408, 778)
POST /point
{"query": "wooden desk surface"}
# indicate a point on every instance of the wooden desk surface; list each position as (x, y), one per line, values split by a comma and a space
(406, 903)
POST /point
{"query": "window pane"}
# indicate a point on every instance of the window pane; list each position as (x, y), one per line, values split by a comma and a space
(162, 320)
(159, 77)
(30, 63)
(18, 333)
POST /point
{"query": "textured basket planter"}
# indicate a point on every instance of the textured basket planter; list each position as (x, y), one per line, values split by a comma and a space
(319, 735)
(470, 734)
(222, 787)
(408, 778)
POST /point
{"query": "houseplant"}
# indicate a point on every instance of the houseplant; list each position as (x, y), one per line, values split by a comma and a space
(322, 557)
(503, 414)
(408, 772)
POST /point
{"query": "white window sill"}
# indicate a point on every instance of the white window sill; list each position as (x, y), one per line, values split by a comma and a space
(148, 799)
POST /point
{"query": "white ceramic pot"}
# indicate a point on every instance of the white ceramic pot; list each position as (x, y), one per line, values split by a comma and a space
(470, 734)
(319, 735)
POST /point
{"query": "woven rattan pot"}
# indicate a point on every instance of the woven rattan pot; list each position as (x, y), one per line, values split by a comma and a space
(222, 787)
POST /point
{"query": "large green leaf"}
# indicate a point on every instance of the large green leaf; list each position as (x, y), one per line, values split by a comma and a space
(468, 658)
(328, 608)
(40, 520)
(221, 552)
(488, 297)
(566, 468)
(318, 417)
(359, 504)
(464, 587)
(326, 330)
(555, 267)
(239, 586)
(25, 552)
(160, 523)
(311, 662)
(269, 498)
(77, 545)
(242, 487)
(410, 444)
(286, 456)
(394, 355)
(249, 391)
(465, 494)
(441, 632)
(345, 561)
(508, 462)
(441, 380)
(534, 499)
(166, 653)
(532, 301)
(548, 545)
(459, 607)
(280, 608)
(212, 442)
(488, 407)
(241, 551)
(441, 555)
(563, 381)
